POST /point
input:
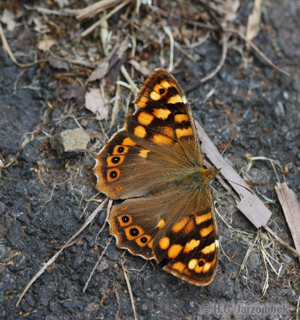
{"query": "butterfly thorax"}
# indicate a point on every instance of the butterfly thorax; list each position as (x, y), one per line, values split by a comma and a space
(195, 176)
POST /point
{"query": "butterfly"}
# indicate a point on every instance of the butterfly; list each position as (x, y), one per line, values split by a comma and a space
(156, 167)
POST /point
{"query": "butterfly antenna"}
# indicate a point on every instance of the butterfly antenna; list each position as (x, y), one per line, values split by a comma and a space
(248, 189)
(229, 142)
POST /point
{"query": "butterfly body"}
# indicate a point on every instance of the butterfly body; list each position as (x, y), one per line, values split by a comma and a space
(155, 165)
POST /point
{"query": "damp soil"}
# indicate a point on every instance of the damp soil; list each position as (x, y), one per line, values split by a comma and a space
(44, 197)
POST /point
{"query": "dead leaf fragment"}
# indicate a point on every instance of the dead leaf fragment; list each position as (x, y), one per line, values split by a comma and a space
(62, 3)
(99, 72)
(228, 8)
(46, 44)
(59, 64)
(77, 92)
(291, 210)
(139, 67)
(110, 67)
(253, 24)
(96, 103)
(8, 18)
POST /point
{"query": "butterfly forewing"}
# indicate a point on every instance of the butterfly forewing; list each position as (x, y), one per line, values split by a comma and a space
(164, 121)
(155, 164)
(125, 169)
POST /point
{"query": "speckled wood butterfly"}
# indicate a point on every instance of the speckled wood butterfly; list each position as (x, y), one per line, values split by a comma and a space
(155, 165)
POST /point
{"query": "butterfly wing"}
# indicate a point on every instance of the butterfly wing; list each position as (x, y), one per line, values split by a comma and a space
(136, 222)
(146, 164)
(158, 141)
(191, 243)
(176, 227)
(164, 121)
(125, 169)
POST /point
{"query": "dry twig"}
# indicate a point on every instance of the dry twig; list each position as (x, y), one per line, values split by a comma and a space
(50, 261)
(96, 264)
(11, 55)
(129, 289)
(98, 23)
(219, 66)
(118, 302)
(230, 31)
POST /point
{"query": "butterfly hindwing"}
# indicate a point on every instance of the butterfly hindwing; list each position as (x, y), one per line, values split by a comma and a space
(191, 243)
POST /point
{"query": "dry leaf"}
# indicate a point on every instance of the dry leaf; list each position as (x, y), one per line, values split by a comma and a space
(111, 65)
(96, 103)
(62, 3)
(59, 63)
(45, 45)
(229, 8)
(40, 27)
(78, 93)
(291, 210)
(99, 72)
(8, 18)
(139, 67)
(253, 24)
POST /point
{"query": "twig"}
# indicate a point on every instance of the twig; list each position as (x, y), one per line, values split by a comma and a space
(212, 14)
(266, 284)
(133, 86)
(219, 66)
(49, 262)
(169, 33)
(17, 80)
(260, 53)
(95, 8)
(116, 105)
(96, 265)
(137, 6)
(295, 252)
(118, 302)
(11, 55)
(98, 23)
(51, 195)
(251, 159)
(198, 43)
(129, 289)
(298, 308)
(74, 61)
(252, 45)
(178, 46)
(64, 12)
(250, 249)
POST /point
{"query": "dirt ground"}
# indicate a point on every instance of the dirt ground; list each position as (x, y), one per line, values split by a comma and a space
(45, 197)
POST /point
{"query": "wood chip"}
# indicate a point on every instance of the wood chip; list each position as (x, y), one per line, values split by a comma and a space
(249, 204)
(291, 210)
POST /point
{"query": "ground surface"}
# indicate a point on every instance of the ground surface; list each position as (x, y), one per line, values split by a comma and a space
(43, 196)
